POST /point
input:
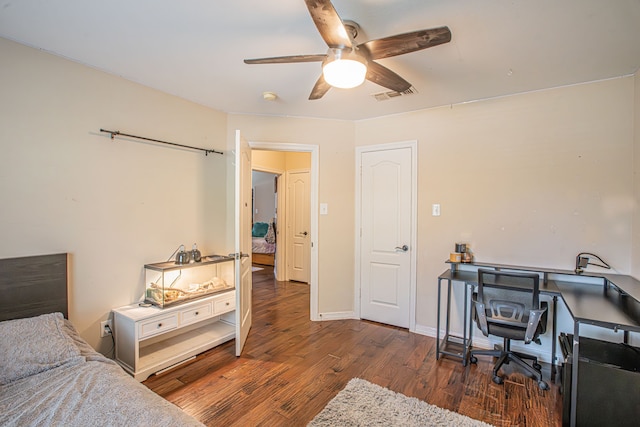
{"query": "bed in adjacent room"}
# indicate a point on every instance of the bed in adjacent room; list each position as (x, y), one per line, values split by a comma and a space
(263, 243)
(48, 374)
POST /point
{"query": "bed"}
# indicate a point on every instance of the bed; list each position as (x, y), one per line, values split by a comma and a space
(263, 243)
(48, 374)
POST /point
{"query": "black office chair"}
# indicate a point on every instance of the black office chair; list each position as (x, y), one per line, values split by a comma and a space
(507, 305)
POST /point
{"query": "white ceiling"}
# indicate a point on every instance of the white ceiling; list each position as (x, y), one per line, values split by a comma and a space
(195, 48)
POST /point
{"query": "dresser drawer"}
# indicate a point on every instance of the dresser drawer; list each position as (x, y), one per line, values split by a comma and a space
(225, 303)
(195, 314)
(158, 325)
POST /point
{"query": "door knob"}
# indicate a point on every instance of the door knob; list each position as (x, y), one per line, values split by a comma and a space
(238, 256)
(304, 233)
(403, 248)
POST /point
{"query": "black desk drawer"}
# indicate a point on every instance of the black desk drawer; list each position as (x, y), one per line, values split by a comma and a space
(608, 383)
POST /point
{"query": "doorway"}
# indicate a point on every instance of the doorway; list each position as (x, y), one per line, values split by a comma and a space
(265, 224)
(312, 153)
(386, 206)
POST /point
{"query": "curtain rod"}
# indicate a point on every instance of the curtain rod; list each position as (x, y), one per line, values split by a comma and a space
(118, 133)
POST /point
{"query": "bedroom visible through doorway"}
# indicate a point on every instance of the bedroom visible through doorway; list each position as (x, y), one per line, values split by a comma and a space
(264, 218)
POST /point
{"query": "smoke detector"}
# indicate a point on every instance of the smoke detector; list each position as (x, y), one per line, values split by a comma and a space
(269, 96)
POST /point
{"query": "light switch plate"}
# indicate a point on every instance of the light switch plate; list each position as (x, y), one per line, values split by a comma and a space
(324, 209)
(435, 209)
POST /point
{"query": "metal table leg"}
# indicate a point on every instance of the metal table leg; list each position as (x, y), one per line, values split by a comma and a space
(574, 373)
(448, 320)
(465, 343)
(554, 304)
(438, 324)
(472, 311)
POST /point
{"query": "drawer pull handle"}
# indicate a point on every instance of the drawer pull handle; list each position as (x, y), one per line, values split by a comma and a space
(159, 325)
(227, 302)
(196, 313)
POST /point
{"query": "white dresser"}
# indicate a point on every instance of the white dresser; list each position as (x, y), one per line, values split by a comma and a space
(150, 339)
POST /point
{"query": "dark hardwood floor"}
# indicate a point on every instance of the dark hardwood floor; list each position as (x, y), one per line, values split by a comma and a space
(291, 368)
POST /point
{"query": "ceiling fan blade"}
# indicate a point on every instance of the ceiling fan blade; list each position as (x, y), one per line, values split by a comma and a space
(408, 42)
(321, 87)
(287, 59)
(383, 76)
(329, 24)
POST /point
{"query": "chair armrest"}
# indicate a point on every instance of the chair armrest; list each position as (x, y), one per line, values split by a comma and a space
(543, 320)
(481, 317)
(534, 320)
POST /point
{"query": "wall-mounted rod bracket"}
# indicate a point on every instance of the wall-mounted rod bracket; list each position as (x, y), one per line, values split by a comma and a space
(115, 133)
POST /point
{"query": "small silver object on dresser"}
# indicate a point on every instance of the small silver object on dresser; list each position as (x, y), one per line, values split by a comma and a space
(196, 256)
(182, 257)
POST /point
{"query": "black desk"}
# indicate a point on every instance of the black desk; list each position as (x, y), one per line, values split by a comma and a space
(612, 301)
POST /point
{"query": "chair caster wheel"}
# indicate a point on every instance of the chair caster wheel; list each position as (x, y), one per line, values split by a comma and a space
(537, 366)
(543, 385)
(473, 360)
(497, 379)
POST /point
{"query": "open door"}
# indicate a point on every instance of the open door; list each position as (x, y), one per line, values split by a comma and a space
(243, 241)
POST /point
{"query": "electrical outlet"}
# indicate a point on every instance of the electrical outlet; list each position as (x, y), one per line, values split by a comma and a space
(105, 328)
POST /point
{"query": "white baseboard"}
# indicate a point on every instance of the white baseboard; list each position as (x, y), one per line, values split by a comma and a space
(425, 330)
(480, 341)
(337, 315)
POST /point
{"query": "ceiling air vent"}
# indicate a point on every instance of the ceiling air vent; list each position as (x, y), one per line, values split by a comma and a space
(384, 96)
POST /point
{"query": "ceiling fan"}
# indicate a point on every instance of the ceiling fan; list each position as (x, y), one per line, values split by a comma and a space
(347, 64)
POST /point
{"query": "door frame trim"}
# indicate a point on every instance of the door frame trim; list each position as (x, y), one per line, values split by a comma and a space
(413, 145)
(313, 198)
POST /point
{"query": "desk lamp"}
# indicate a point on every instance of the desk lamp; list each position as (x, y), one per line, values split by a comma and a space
(583, 261)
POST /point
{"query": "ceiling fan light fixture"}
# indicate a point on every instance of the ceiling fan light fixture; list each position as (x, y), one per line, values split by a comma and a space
(344, 69)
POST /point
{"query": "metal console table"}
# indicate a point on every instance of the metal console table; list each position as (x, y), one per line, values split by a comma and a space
(453, 345)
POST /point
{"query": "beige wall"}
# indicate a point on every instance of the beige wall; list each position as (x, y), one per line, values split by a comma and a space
(529, 179)
(526, 179)
(269, 160)
(280, 160)
(295, 161)
(264, 196)
(113, 205)
(336, 188)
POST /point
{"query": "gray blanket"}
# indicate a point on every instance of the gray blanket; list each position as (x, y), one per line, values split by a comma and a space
(86, 390)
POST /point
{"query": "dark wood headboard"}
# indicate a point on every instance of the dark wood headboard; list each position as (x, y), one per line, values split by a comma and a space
(34, 285)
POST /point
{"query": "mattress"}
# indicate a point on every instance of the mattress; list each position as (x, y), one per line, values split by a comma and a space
(50, 376)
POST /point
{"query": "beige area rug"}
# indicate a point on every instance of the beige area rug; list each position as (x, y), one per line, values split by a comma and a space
(362, 403)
